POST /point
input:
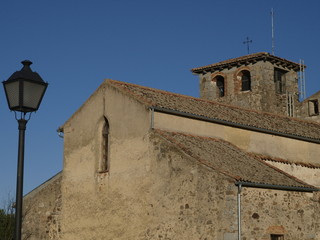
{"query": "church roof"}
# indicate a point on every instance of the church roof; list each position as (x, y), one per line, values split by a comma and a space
(245, 60)
(231, 161)
(221, 113)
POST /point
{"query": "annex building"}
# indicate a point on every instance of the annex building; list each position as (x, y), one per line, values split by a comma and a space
(241, 162)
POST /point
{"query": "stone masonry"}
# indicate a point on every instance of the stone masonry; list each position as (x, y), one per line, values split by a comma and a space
(41, 212)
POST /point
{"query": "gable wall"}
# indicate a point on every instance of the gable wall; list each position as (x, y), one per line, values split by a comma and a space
(90, 198)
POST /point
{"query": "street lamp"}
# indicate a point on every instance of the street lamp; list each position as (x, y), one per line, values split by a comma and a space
(24, 91)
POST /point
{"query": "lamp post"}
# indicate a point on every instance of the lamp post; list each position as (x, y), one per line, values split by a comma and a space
(24, 91)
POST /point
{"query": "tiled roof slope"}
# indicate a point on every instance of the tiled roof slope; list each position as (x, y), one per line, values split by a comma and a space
(203, 108)
(230, 160)
(245, 60)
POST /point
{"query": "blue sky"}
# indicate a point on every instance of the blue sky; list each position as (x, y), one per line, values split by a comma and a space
(75, 44)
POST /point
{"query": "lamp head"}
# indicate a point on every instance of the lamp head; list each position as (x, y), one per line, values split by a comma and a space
(24, 89)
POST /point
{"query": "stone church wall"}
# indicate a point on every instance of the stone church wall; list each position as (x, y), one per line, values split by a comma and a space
(41, 211)
(149, 192)
(190, 201)
(154, 191)
(292, 214)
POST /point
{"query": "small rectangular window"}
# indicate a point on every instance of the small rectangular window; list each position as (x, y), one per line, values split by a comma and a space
(280, 80)
(277, 237)
(313, 106)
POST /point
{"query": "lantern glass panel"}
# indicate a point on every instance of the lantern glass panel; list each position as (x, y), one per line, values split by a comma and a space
(12, 92)
(32, 94)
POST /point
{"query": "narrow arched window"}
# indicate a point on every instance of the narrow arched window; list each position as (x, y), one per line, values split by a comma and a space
(245, 81)
(220, 86)
(105, 146)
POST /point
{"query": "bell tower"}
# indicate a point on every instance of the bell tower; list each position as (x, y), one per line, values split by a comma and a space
(258, 81)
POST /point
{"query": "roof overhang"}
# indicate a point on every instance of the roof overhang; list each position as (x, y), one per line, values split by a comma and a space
(277, 187)
(246, 60)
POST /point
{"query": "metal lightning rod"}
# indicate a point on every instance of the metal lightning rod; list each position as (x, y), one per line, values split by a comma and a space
(272, 31)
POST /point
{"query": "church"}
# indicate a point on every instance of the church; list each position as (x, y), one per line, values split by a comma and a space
(240, 162)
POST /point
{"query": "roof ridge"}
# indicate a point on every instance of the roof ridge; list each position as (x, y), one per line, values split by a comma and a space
(231, 60)
(206, 101)
(125, 90)
(164, 91)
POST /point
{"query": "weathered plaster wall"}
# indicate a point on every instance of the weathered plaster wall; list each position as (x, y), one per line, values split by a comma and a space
(250, 141)
(266, 212)
(306, 174)
(42, 211)
(155, 193)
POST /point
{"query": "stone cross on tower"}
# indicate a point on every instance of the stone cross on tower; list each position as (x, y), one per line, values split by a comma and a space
(247, 42)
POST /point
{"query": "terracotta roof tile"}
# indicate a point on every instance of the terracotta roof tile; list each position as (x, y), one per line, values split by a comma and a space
(245, 60)
(214, 110)
(229, 160)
